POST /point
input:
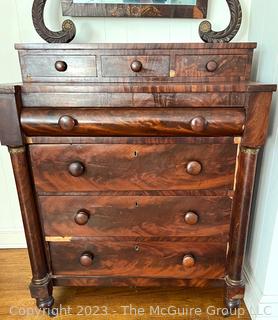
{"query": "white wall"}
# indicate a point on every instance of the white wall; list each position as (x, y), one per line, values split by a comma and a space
(11, 230)
(261, 263)
(16, 26)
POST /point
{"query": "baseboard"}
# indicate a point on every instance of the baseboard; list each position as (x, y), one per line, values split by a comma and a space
(260, 306)
(12, 239)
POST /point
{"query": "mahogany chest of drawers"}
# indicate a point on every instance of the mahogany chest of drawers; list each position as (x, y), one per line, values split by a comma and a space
(135, 163)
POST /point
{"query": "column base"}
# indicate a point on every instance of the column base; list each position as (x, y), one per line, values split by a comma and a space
(234, 292)
(41, 290)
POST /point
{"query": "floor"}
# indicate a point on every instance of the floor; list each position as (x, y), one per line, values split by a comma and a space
(104, 303)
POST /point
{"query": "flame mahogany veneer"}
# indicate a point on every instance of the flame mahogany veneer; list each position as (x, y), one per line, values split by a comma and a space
(135, 164)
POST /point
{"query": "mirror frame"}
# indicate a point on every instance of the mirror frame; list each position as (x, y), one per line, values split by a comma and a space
(198, 11)
(67, 34)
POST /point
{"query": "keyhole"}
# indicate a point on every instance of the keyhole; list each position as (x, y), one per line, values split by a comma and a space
(136, 248)
(136, 204)
(135, 153)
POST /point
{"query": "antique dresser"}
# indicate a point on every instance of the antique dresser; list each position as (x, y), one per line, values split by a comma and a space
(135, 163)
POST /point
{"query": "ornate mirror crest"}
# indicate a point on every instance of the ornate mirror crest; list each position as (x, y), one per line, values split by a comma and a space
(208, 35)
(83, 8)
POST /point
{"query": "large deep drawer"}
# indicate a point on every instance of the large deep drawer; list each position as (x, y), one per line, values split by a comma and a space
(133, 121)
(133, 167)
(206, 217)
(107, 257)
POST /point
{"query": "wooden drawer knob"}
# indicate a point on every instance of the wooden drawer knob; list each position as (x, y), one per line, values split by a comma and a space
(86, 259)
(61, 66)
(76, 169)
(212, 66)
(198, 124)
(81, 217)
(188, 261)
(136, 66)
(191, 218)
(193, 168)
(67, 123)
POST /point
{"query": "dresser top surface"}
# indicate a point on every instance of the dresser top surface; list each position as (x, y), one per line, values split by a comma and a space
(88, 46)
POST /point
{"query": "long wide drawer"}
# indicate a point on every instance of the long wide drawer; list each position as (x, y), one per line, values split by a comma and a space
(161, 216)
(120, 167)
(104, 257)
(133, 122)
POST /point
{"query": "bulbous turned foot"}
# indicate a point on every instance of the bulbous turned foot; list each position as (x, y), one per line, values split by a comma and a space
(47, 304)
(231, 304)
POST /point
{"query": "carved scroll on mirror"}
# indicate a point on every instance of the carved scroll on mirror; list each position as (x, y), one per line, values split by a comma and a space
(65, 35)
(208, 35)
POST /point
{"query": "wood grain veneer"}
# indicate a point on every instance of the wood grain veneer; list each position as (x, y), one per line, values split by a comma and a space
(136, 216)
(135, 258)
(133, 122)
(132, 167)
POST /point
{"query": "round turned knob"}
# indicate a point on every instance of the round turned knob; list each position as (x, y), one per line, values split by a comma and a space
(76, 169)
(81, 217)
(198, 124)
(61, 66)
(86, 259)
(67, 123)
(191, 217)
(212, 66)
(188, 261)
(193, 168)
(136, 66)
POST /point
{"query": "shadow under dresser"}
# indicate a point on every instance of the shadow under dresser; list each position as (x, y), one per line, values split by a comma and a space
(135, 163)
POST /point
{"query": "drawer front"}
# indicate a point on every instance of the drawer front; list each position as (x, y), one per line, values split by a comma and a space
(135, 66)
(119, 167)
(57, 67)
(98, 257)
(133, 122)
(162, 216)
(212, 66)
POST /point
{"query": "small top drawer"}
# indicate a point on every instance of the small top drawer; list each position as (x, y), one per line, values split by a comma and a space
(135, 66)
(212, 66)
(58, 67)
